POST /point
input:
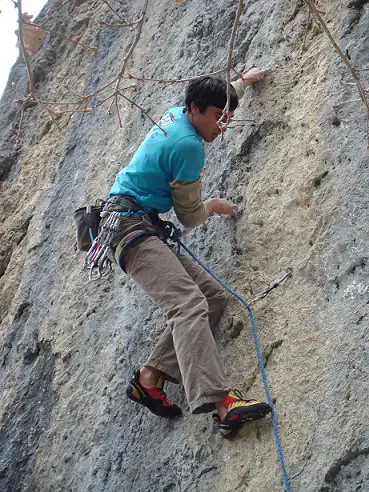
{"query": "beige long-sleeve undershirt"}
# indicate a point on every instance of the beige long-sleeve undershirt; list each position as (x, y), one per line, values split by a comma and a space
(187, 202)
(187, 199)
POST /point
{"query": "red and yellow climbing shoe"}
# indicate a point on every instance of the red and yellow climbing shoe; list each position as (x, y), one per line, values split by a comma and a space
(153, 398)
(240, 411)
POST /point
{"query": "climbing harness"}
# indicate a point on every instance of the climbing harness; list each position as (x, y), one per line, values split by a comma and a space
(174, 235)
(100, 252)
(97, 260)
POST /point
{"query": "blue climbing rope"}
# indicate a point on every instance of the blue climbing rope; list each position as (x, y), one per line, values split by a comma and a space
(175, 237)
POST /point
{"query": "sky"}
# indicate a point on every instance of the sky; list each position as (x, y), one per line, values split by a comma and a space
(8, 39)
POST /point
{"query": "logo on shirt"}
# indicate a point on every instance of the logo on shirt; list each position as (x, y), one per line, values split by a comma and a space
(167, 119)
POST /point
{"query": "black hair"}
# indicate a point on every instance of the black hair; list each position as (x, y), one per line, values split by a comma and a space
(209, 91)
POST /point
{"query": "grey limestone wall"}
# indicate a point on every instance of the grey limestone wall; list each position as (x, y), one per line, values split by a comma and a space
(300, 176)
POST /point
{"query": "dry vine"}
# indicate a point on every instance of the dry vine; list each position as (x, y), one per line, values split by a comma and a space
(229, 67)
(81, 103)
(32, 96)
(353, 71)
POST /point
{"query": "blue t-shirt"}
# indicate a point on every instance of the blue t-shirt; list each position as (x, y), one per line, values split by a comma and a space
(160, 159)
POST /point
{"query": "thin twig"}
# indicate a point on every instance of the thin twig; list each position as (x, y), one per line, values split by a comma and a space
(61, 35)
(236, 72)
(60, 103)
(174, 81)
(85, 101)
(100, 89)
(144, 112)
(21, 44)
(87, 110)
(91, 7)
(21, 109)
(130, 51)
(138, 34)
(346, 102)
(306, 31)
(102, 101)
(20, 129)
(52, 11)
(117, 25)
(51, 113)
(344, 58)
(230, 65)
(233, 119)
(72, 92)
(115, 12)
(29, 71)
(114, 96)
(116, 105)
(236, 126)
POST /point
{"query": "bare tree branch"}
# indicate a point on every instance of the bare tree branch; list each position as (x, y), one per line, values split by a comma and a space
(144, 112)
(351, 101)
(306, 31)
(344, 58)
(29, 71)
(175, 81)
(115, 12)
(61, 35)
(102, 23)
(51, 12)
(67, 111)
(21, 44)
(138, 34)
(103, 101)
(81, 105)
(128, 55)
(116, 105)
(230, 65)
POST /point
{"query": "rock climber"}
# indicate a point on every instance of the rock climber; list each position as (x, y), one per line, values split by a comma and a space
(165, 172)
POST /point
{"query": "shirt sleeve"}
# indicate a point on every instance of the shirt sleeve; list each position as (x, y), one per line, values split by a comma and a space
(239, 87)
(187, 202)
(187, 159)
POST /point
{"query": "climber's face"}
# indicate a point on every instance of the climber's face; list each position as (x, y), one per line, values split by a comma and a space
(206, 123)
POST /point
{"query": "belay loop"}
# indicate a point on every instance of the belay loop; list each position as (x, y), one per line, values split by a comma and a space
(171, 232)
(97, 260)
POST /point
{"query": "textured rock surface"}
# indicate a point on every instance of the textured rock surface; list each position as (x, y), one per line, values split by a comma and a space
(300, 175)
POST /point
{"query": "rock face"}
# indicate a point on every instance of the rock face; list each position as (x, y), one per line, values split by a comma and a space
(300, 176)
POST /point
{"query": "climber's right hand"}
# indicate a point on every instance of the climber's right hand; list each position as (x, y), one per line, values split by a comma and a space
(220, 206)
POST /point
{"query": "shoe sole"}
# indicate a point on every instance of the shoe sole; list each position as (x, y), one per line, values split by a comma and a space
(135, 393)
(229, 429)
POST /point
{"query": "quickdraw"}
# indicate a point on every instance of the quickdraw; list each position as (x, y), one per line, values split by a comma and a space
(97, 260)
(288, 273)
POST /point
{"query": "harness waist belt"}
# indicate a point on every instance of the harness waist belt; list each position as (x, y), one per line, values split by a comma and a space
(124, 203)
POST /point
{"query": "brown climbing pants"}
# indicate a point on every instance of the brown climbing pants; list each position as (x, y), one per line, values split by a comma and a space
(193, 301)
